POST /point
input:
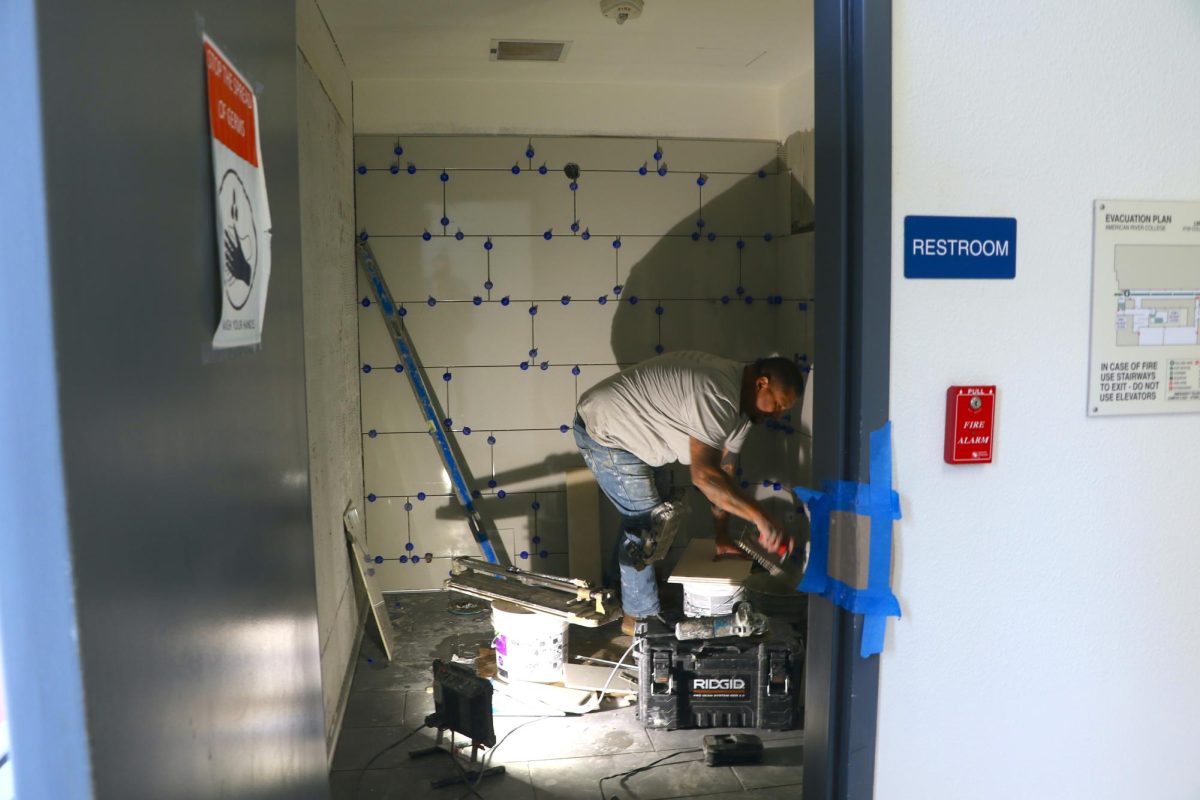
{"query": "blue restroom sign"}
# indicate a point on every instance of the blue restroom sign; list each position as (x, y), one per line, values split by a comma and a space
(960, 247)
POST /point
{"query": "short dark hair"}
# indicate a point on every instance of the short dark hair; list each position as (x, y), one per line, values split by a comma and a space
(781, 371)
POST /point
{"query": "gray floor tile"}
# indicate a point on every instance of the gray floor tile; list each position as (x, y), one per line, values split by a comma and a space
(597, 734)
(357, 746)
(374, 708)
(684, 775)
(792, 792)
(412, 783)
(674, 740)
(782, 765)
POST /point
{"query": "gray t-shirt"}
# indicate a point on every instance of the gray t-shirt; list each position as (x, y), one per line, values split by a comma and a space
(652, 409)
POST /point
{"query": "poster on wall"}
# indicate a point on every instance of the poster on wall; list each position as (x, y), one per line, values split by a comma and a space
(1145, 356)
(243, 216)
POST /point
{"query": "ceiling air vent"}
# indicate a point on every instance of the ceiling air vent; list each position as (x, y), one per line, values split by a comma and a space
(528, 50)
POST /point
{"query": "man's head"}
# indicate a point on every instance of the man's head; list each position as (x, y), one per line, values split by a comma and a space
(770, 387)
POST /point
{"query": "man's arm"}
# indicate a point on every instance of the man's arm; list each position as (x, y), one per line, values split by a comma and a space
(710, 477)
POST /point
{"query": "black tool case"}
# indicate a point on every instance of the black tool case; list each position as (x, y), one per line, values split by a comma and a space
(733, 682)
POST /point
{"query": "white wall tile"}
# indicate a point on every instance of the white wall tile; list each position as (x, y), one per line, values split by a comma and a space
(707, 155)
(393, 576)
(534, 460)
(734, 330)
(397, 205)
(592, 153)
(590, 333)
(444, 267)
(374, 342)
(678, 267)
(376, 152)
(759, 268)
(590, 375)
(796, 262)
(388, 403)
(743, 205)
(463, 152)
(462, 333)
(403, 464)
(508, 397)
(629, 204)
(794, 335)
(529, 267)
(503, 204)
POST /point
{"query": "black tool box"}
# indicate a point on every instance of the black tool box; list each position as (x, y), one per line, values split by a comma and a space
(752, 682)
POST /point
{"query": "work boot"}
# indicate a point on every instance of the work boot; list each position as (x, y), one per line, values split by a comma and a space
(628, 623)
(654, 624)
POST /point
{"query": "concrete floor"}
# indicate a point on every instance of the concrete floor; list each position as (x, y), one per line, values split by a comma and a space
(545, 757)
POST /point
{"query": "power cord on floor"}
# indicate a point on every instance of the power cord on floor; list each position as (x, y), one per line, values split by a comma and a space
(486, 762)
(363, 772)
(624, 776)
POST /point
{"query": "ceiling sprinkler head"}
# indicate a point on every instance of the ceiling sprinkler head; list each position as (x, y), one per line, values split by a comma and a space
(621, 10)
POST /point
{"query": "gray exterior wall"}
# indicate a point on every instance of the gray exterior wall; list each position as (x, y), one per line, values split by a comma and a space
(186, 477)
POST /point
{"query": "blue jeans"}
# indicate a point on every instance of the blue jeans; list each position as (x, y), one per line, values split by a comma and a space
(629, 483)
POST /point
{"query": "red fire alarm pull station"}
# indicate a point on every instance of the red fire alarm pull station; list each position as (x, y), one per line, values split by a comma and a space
(970, 412)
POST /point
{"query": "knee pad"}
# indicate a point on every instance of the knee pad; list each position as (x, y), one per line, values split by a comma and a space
(665, 520)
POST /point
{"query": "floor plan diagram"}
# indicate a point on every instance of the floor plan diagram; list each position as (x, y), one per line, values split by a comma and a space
(1158, 298)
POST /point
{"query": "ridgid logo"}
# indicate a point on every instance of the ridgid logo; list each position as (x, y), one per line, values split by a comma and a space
(718, 684)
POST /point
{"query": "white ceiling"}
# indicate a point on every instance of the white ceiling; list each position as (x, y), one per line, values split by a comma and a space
(762, 43)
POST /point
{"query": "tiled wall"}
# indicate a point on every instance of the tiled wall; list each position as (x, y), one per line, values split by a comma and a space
(522, 288)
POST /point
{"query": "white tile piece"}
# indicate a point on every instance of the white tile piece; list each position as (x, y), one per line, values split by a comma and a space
(503, 204)
(439, 526)
(403, 464)
(759, 268)
(592, 153)
(743, 205)
(710, 155)
(678, 267)
(462, 333)
(443, 267)
(508, 397)
(611, 204)
(388, 404)
(375, 152)
(795, 266)
(374, 341)
(533, 267)
(576, 334)
(794, 334)
(396, 205)
(385, 527)
(463, 152)
(534, 460)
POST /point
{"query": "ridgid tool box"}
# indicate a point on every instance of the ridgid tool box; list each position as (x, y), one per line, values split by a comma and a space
(732, 682)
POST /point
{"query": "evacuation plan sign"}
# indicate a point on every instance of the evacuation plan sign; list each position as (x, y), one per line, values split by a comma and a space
(1145, 355)
(243, 218)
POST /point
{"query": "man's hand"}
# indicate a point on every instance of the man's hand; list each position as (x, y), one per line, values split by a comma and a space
(771, 535)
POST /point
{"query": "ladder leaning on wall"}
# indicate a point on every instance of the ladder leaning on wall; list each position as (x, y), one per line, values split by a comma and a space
(484, 534)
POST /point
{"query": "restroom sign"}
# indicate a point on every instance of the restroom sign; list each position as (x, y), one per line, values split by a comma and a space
(243, 216)
(960, 247)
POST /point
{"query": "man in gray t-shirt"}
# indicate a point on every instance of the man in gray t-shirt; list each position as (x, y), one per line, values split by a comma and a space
(693, 408)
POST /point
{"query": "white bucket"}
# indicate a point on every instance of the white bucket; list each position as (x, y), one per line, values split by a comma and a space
(530, 646)
(710, 599)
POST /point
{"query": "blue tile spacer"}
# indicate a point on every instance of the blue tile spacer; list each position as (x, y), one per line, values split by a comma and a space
(458, 235)
(398, 150)
(695, 236)
(802, 306)
(362, 169)
(587, 234)
(409, 547)
(372, 433)
(745, 484)
(371, 498)
(416, 559)
(545, 365)
(366, 368)
(533, 311)
(741, 290)
(712, 237)
(700, 222)
(542, 170)
(535, 505)
(445, 176)
(501, 494)
(533, 351)
(516, 169)
(766, 484)
(662, 170)
(642, 170)
(466, 431)
(768, 236)
(617, 289)
(524, 554)
(536, 540)
(566, 299)
(740, 244)
(575, 226)
(700, 180)
(633, 299)
(602, 299)
(487, 245)
(366, 302)
(491, 484)
(544, 554)
(548, 235)
(617, 243)
(445, 220)
(362, 237)
(448, 423)
(399, 368)
(476, 493)
(524, 365)
(402, 311)
(412, 168)
(395, 169)
(777, 486)
(659, 310)
(477, 300)
(749, 299)
(504, 300)
(427, 236)
(658, 348)
(575, 370)
(407, 506)
(573, 186)
(529, 152)
(403, 559)
(563, 428)
(378, 559)
(420, 496)
(491, 440)
(657, 155)
(431, 302)
(488, 285)
(446, 376)
(724, 299)
(762, 173)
